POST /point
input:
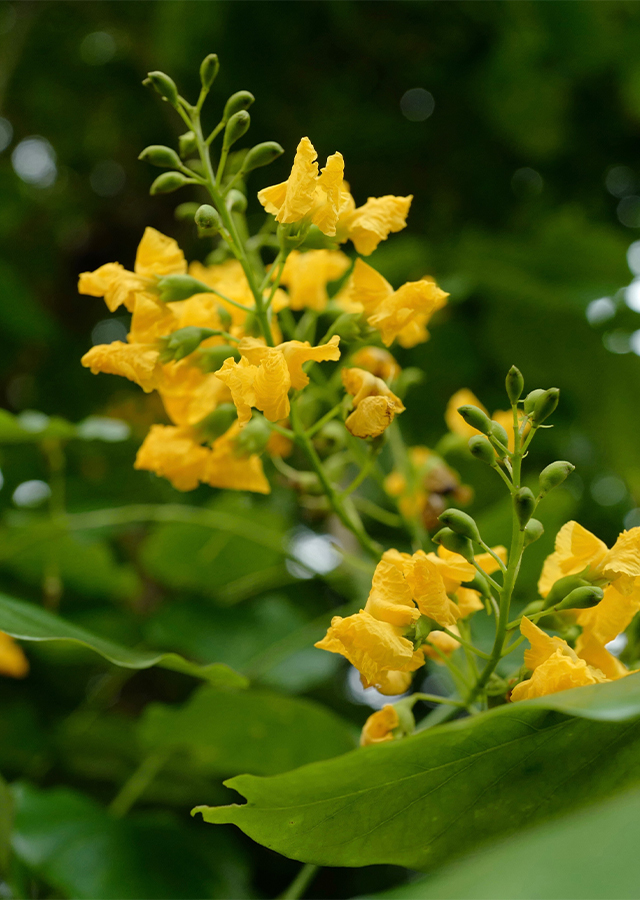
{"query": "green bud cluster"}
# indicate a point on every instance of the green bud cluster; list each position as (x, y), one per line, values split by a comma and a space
(165, 86)
(261, 155)
(524, 503)
(236, 127)
(462, 523)
(480, 447)
(476, 418)
(209, 68)
(533, 530)
(163, 157)
(183, 342)
(514, 384)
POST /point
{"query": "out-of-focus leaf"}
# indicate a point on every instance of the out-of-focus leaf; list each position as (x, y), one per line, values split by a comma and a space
(422, 800)
(24, 742)
(31, 623)
(6, 826)
(590, 854)
(256, 731)
(82, 851)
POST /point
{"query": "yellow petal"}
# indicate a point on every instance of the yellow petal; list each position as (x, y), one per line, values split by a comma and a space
(557, 673)
(377, 361)
(390, 596)
(172, 453)
(228, 470)
(137, 362)
(296, 353)
(378, 727)
(113, 282)
(189, 394)
(598, 656)
(428, 591)
(624, 556)
(240, 379)
(542, 645)
(400, 309)
(373, 222)
(151, 320)
(159, 255)
(13, 662)
(307, 275)
(365, 289)
(271, 386)
(455, 423)
(469, 601)
(575, 550)
(392, 682)
(608, 618)
(328, 191)
(488, 563)
(294, 199)
(442, 642)
(371, 418)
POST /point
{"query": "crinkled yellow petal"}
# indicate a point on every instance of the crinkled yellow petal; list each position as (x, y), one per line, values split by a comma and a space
(398, 310)
(542, 645)
(558, 672)
(624, 556)
(575, 549)
(371, 417)
(228, 470)
(307, 274)
(377, 361)
(598, 656)
(391, 682)
(240, 378)
(428, 591)
(137, 362)
(201, 310)
(159, 255)
(271, 386)
(378, 727)
(390, 596)
(189, 394)
(608, 618)
(362, 384)
(365, 290)
(13, 662)
(453, 568)
(455, 423)
(151, 320)
(297, 353)
(375, 220)
(113, 282)
(294, 199)
(172, 453)
(328, 195)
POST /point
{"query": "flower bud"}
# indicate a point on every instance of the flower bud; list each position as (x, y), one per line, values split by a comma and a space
(554, 475)
(164, 85)
(168, 182)
(456, 543)
(211, 358)
(534, 529)
(207, 220)
(161, 156)
(544, 406)
(187, 144)
(499, 438)
(581, 598)
(514, 383)
(236, 201)
(218, 422)
(254, 437)
(261, 155)
(237, 125)
(462, 523)
(348, 326)
(209, 68)
(239, 100)
(185, 212)
(481, 448)
(479, 583)
(422, 629)
(562, 587)
(524, 503)
(180, 287)
(530, 400)
(476, 418)
(183, 342)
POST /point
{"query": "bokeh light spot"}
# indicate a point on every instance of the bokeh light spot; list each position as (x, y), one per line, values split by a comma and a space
(632, 295)
(97, 48)
(526, 182)
(34, 161)
(600, 310)
(6, 133)
(634, 342)
(629, 211)
(417, 104)
(107, 331)
(620, 181)
(30, 494)
(632, 518)
(617, 341)
(316, 553)
(607, 490)
(633, 257)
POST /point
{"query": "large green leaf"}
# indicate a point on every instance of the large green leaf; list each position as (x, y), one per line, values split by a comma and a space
(590, 854)
(420, 801)
(31, 623)
(254, 731)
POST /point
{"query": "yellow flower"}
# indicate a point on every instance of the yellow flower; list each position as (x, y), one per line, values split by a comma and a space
(390, 596)
(602, 623)
(443, 642)
(373, 222)
(393, 681)
(457, 425)
(377, 361)
(157, 256)
(307, 195)
(188, 393)
(13, 662)
(307, 274)
(379, 726)
(375, 405)
(151, 320)
(226, 469)
(555, 666)
(426, 577)
(137, 362)
(402, 314)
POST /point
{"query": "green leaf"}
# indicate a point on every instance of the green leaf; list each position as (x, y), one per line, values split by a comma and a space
(82, 851)
(257, 731)
(592, 853)
(422, 800)
(31, 623)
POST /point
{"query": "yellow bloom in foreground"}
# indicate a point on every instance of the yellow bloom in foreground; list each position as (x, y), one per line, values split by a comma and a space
(13, 662)
(306, 275)
(157, 256)
(379, 726)
(373, 222)
(139, 363)
(375, 405)
(402, 314)
(556, 667)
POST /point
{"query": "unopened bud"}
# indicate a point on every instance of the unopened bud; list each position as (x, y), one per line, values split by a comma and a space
(180, 287)
(348, 326)
(254, 437)
(168, 182)
(499, 438)
(524, 503)
(479, 583)
(218, 422)
(164, 85)
(161, 156)
(185, 212)
(534, 529)
(261, 155)
(456, 543)
(209, 68)
(187, 144)
(476, 418)
(236, 201)
(183, 342)
(462, 523)
(554, 475)
(237, 125)
(226, 320)
(514, 383)
(562, 587)
(207, 220)
(236, 102)
(422, 630)
(211, 358)
(481, 448)
(530, 400)
(545, 405)
(581, 598)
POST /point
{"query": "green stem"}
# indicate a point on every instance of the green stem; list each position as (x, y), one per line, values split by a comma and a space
(494, 554)
(323, 421)
(136, 785)
(363, 473)
(300, 883)
(464, 642)
(435, 698)
(371, 509)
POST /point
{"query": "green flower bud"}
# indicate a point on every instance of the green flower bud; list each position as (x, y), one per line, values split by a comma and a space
(239, 100)
(562, 587)
(185, 212)
(224, 315)
(211, 358)
(499, 438)
(581, 598)
(254, 436)
(237, 125)
(462, 523)
(530, 400)
(406, 720)
(525, 503)
(479, 583)
(261, 155)
(187, 144)
(207, 220)
(514, 383)
(476, 418)
(348, 326)
(554, 475)
(218, 422)
(481, 448)
(183, 342)
(236, 201)
(534, 529)
(180, 287)
(456, 543)
(161, 156)
(209, 68)
(164, 85)
(422, 630)
(168, 182)
(544, 406)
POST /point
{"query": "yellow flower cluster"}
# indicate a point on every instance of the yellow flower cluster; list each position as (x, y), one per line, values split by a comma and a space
(405, 587)
(374, 404)
(424, 488)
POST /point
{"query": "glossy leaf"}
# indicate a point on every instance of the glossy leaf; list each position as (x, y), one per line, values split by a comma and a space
(420, 801)
(32, 623)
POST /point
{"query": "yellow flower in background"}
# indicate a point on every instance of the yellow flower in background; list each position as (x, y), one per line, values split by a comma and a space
(13, 662)
(457, 425)
(375, 404)
(402, 314)
(373, 222)
(156, 257)
(189, 394)
(555, 666)
(379, 726)
(306, 275)
(442, 642)
(139, 363)
(307, 194)
(377, 361)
